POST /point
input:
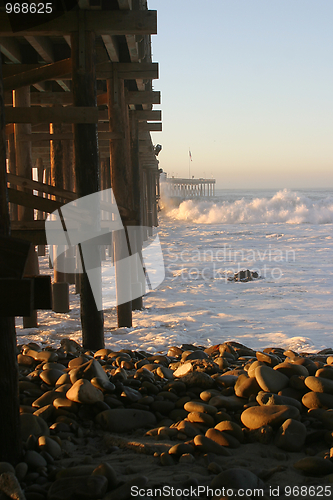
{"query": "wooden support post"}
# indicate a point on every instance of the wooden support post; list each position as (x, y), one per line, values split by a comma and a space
(10, 431)
(21, 98)
(31, 269)
(150, 201)
(137, 303)
(121, 182)
(154, 194)
(86, 164)
(12, 170)
(57, 180)
(144, 203)
(67, 168)
(40, 213)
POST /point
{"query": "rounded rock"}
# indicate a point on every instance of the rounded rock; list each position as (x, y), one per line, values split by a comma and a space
(317, 400)
(274, 415)
(200, 407)
(34, 459)
(290, 369)
(270, 380)
(291, 435)
(45, 443)
(222, 438)
(206, 445)
(31, 424)
(201, 418)
(231, 428)
(83, 391)
(319, 384)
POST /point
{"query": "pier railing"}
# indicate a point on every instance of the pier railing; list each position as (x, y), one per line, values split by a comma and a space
(174, 187)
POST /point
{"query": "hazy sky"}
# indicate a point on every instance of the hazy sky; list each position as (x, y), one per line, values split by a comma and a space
(248, 86)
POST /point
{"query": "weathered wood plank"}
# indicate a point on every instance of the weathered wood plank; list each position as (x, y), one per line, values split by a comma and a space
(49, 98)
(148, 115)
(67, 114)
(111, 45)
(100, 22)
(31, 201)
(151, 127)
(38, 74)
(128, 71)
(11, 48)
(16, 180)
(145, 97)
(40, 137)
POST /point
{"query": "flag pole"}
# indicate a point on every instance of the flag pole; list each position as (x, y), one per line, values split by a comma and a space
(189, 162)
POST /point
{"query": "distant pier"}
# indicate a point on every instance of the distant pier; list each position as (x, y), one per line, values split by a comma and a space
(174, 187)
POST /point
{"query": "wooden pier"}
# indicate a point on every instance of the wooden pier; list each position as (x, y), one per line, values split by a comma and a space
(185, 189)
(76, 104)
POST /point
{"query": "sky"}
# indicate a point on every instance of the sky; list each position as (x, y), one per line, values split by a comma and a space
(247, 85)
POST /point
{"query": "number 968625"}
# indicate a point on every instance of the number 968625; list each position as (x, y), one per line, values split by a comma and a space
(29, 8)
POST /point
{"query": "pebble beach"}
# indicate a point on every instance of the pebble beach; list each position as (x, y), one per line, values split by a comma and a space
(209, 421)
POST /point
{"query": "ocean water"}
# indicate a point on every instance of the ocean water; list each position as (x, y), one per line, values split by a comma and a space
(285, 236)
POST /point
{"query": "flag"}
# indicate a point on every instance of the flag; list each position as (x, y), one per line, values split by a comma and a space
(190, 155)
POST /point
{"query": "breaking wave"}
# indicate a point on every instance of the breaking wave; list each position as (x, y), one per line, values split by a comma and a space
(285, 206)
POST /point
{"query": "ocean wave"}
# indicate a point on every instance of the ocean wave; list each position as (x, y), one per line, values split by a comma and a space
(285, 206)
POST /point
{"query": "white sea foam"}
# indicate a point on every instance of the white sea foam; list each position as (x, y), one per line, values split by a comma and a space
(285, 206)
(290, 306)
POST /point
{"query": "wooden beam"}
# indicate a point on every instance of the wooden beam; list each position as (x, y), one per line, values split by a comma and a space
(111, 46)
(68, 40)
(129, 71)
(38, 74)
(50, 98)
(11, 49)
(35, 236)
(132, 48)
(42, 46)
(151, 127)
(63, 85)
(125, 4)
(148, 115)
(15, 74)
(113, 22)
(31, 201)
(52, 115)
(145, 97)
(16, 180)
(65, 136)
